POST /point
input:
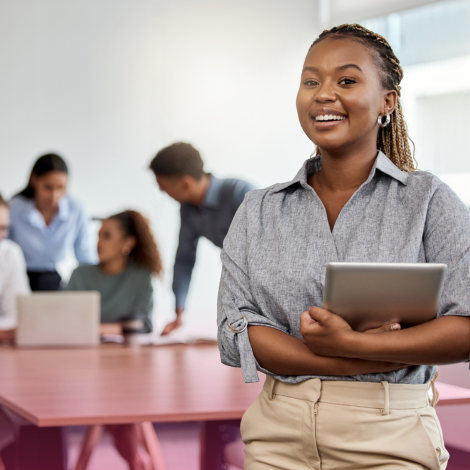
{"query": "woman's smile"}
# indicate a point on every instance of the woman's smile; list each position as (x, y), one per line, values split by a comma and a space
(328, 118)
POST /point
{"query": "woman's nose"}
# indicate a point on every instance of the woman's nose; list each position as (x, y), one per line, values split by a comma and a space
(324, 94)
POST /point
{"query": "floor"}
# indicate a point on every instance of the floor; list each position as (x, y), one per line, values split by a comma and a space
(179, 444)
(180, 448)
(459, 460)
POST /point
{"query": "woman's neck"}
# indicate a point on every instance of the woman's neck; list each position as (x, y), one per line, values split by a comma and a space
(48, 214)
(340, 177)
(115, 266)
(345, 171)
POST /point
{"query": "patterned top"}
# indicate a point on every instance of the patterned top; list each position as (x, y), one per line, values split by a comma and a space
(275, 254)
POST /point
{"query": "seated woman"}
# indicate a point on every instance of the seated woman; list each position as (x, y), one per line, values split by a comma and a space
(13, 282)
(42, 447)
(128, 257)
(13, 279)
(47, 223)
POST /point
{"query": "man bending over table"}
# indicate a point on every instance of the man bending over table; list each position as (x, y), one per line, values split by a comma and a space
(208, 205)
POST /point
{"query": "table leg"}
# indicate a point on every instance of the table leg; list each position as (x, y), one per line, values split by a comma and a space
(152, 445)
(92, 437)
(214, 436)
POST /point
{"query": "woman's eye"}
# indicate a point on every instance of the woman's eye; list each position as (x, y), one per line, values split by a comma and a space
(347, 81)
(310, 83)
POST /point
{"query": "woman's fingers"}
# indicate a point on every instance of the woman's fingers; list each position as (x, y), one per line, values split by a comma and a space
(318, 314)
(306, 319)
(385, 328)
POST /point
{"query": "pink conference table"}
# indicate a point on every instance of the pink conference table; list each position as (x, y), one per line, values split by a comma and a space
(116, 384)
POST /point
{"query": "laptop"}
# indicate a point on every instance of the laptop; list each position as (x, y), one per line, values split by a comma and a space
(58, 319)
(370, 295)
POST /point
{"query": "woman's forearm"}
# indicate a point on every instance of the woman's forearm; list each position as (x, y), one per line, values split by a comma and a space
(445, 340)
(283, 354)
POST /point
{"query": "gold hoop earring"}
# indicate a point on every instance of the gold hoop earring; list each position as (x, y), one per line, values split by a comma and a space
(126, 251)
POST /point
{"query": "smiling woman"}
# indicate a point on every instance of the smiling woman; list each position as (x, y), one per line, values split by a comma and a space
(336, 398)
(392, 137)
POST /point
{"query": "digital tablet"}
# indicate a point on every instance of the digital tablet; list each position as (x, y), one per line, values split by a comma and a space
(370, 295)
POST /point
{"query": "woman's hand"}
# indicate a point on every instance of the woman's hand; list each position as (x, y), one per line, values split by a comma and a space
(327, 334)
(284, 354)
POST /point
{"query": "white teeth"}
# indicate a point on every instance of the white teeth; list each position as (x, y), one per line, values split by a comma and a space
(329, 117)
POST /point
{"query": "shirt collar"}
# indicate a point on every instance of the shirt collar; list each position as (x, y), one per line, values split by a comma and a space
(64, 209)
(35, 217)
(385, 165)
(212, 197)
(313, 165)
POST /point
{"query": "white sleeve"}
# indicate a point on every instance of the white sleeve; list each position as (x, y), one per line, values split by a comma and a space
(16, 283)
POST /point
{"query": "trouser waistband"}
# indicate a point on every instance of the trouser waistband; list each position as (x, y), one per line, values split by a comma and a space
(383, 395)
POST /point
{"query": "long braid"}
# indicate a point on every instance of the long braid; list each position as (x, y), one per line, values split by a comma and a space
(392, 140)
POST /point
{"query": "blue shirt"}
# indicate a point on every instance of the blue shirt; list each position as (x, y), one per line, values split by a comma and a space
(211, 220)
(44, 246)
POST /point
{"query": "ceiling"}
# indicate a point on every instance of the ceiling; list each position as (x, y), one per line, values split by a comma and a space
(351, 11)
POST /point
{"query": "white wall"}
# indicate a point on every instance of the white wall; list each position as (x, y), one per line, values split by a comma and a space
(436, 97)
(108, 83)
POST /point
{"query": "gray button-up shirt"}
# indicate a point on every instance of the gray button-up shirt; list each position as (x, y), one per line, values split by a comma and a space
(275, 254)
(211, 220)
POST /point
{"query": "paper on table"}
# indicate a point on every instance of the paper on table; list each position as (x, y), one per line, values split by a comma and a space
(155, 340)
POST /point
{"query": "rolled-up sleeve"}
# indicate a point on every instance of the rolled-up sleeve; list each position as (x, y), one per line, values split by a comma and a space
(236, 301)
(447, 240)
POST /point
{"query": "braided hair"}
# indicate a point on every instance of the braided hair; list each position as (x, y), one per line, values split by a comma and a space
(392, 140)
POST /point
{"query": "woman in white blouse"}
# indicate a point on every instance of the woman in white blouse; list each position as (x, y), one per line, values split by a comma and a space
(13, 282)
(13, 279)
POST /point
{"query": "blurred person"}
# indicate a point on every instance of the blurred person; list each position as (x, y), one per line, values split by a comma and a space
(46, 222)
(128, 257)
(40, 448)
(13, 282)
(208, 205)
(13, 278)
(334, 397)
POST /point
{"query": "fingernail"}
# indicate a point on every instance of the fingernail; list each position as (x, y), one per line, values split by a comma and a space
(396, 326)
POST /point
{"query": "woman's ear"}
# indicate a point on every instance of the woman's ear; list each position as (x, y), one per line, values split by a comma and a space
(131, 242)
(33, 180)
(390, 102)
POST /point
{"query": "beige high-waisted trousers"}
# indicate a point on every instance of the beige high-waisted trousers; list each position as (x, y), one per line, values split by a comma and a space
(343, 426)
